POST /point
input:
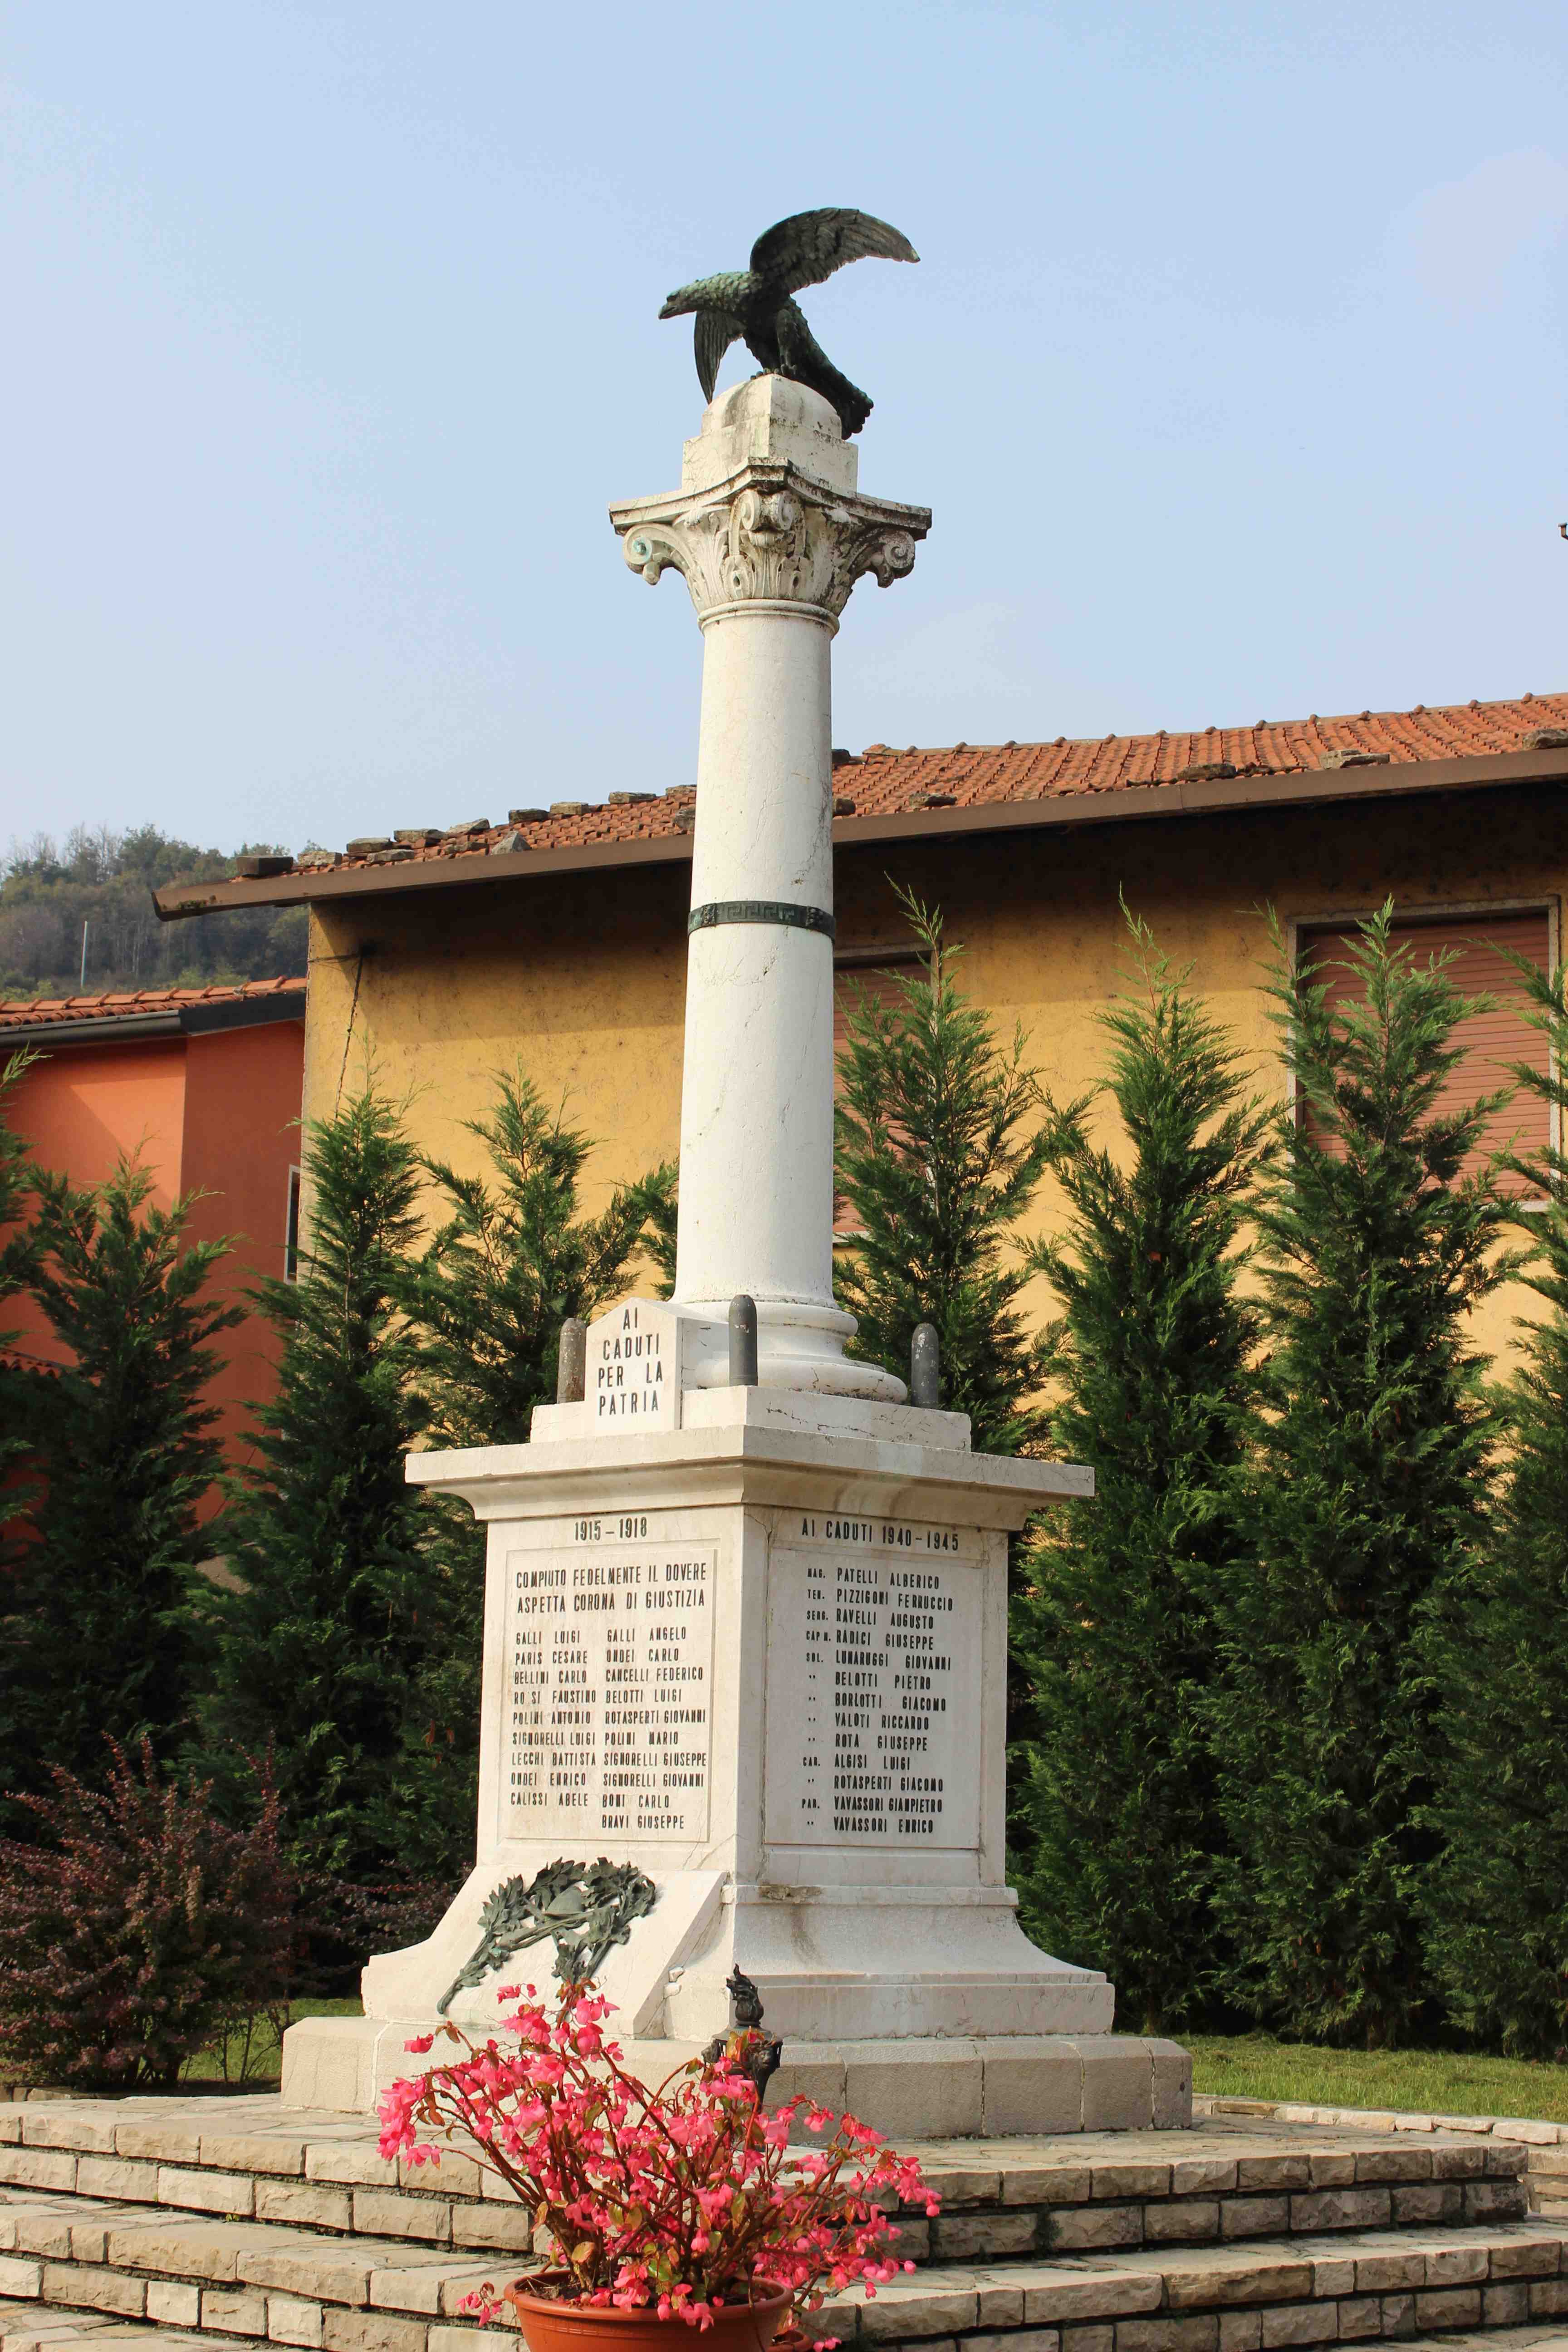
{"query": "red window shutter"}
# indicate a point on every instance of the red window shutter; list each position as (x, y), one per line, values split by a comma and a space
(870, 983)
(1493, 1041)
(853, 985)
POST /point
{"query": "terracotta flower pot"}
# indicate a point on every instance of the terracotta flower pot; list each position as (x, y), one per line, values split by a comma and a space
(549, 2326)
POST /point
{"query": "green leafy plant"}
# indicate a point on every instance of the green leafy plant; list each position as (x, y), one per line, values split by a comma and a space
(138, 1928)
(680, 2199)
(97, 876)
(1114, 1627)
(350, 1642)
(1370, 1492)
(20, 1383)
(16, 1177)
(937, 1159)
(515, 1258)
(1496, 1900)
(98, 1639)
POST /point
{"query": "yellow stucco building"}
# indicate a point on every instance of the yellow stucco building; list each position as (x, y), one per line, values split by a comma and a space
(443, 955)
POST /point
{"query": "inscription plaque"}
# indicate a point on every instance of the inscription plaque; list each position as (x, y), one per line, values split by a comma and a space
(609, 1698)
(634, 1365)
(874, 1635)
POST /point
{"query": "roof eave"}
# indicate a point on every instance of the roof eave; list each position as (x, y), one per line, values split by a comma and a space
(170, 1021)
(1309, 787)
(131, 1027)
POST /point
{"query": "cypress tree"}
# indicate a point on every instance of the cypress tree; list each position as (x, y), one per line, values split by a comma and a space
(351, 1647)
(1115, 1626)
(17, 1256)
(100, 1640)
(17, 1180)
(934, 1157)
(1373, 1453)
(515, 1258)
(1497, 1898)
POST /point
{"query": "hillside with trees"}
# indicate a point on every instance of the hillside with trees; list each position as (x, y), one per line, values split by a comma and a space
(105, 880)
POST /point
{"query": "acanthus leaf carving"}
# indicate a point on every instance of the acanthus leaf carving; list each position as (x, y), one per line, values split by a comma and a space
(772, 536)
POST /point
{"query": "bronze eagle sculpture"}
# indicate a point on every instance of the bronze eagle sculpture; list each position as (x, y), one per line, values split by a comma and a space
(757, 306)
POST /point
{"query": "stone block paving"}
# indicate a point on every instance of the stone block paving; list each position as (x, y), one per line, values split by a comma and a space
(214, 2222)
(250, 2158)
(1547, 2143)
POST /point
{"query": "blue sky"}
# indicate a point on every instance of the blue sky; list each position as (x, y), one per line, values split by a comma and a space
(1234, 370)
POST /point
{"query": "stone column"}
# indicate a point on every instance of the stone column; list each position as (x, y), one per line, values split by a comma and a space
(770, 535)
(749, 1643)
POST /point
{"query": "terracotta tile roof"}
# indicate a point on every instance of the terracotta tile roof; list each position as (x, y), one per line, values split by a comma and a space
(884, 781)
(29, 1013)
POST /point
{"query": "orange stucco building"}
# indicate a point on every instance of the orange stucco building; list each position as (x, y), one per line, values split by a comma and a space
(203, 1086)
(439, 959)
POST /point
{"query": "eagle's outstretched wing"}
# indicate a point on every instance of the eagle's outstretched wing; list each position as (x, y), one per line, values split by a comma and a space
(809, 246)
(715, 331)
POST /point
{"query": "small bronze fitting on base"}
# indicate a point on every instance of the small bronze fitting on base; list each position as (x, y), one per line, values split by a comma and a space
(743, 2042)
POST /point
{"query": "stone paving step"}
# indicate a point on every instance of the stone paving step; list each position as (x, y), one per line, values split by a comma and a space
(1547, 2142)
(1234, 2298)
(57, 2332)
(1547, 2180)
(251, 2159)
(267, 2282)
(62, 2332)
(235, 2277)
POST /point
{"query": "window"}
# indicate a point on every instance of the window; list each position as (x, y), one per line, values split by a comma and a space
(1494, 1040)
(871, 976)
(291, 1230)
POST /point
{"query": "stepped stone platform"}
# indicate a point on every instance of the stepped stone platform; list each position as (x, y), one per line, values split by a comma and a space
(200, 2223)
(1547, 2143)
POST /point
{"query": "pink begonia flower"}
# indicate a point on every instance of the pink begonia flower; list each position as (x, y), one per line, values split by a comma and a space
(683, 2199)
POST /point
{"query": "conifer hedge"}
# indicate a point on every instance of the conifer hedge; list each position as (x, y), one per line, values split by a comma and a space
(1115, 1623)
(1365, 1497)
(347, 1645)
(97, 1636)
(1289, 1698)
(1496, 1902)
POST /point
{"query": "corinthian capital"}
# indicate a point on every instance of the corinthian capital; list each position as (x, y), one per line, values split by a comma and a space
(770, 533)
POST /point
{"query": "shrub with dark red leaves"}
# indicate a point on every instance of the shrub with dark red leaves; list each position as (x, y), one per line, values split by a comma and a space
(139, 1930)
(340, 1924)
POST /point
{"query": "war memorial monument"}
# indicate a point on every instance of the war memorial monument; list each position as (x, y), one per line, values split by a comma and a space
(745, 1626)
(744, 1655)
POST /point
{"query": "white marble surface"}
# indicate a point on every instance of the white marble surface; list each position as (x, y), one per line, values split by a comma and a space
(873, 1715)
(771, 534)
(856, 1925)
(607, 1704)
(769, 417)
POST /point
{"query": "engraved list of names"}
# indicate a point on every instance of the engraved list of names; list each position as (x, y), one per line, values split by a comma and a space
(874, 1636)
(609, 1696)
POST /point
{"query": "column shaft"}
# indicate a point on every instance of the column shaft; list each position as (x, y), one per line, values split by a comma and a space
(771, 533)
(756, 1126)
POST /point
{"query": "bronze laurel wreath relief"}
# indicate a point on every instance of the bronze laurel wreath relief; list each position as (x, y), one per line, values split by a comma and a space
(585, 1908)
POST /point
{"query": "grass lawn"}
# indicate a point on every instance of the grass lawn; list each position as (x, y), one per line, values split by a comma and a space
(1439, 2082)
(261, 2067)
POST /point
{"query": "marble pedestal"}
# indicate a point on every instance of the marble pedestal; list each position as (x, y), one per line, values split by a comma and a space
(762, 1655)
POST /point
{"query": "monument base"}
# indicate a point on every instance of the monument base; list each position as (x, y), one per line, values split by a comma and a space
(907, 2090)
(755, 1665)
